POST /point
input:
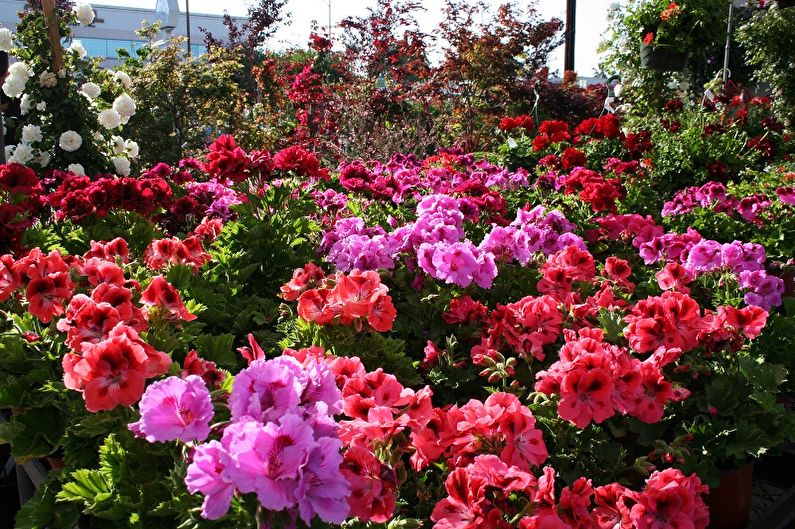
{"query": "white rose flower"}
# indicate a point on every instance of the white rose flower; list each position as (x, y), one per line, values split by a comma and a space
(25, 104)
(124, 105)
(123, 78)
(77, 47)
(14, 86)
(118, 144)
(62, 71)
(110, 119)
(31, 134)
(70, 141)
(43, 159)
(132, 148)
(22, 154)
(41, 107)
(20, 69)
(76, 168)
(48, 79)
(85, 14)
(6, 39)
(90, 90)
(122, 165)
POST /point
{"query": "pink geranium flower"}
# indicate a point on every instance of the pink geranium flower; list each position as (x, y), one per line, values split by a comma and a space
(175, 408)
(206, 474)
(323, 490)
(268, 459)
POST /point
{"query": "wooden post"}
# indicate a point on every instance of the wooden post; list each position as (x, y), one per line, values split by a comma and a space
(51, 20)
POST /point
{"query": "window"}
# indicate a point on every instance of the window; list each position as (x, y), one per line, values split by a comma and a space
(95, 47)
(106, 48)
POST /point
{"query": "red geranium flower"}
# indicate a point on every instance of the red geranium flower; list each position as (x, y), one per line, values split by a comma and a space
(160, 293)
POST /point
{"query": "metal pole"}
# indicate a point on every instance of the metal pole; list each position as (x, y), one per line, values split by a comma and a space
(329, 19)
(728, 42)
(571, 17)
(187, 21)
(3, 74)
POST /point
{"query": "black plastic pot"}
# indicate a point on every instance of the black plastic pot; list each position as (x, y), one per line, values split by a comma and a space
(663, 59)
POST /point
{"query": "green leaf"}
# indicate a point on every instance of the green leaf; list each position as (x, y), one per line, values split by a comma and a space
(85, 487)
(217, 348)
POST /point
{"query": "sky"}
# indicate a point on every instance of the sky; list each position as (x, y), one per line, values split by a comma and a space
(591, 21)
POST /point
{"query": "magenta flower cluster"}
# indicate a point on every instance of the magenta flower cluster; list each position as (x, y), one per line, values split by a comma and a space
(745, 261)
(219, 196)
(436, 239)
(459, 263)
(532, 231)
(405, 176)
(282, 444)
(714, 196)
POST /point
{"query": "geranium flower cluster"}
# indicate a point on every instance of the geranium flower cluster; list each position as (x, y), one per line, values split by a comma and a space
(108, 360)
(162, 253)
(489, 493)
(45, 278)
(551, 132)
(346, 299)
(500, 425)
(378, 408)
(437, 240)
(524, 327)
(20, 198)
(595, 380)
(714, 196)
(592, 187)
(534, 230)
(450, 173)
(696, 256)
(523, 122)
(385, 414)
(77, 197)
(218, 197)
(281, 443)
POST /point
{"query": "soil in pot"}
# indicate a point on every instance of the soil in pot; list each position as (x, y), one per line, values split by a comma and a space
(730, 502)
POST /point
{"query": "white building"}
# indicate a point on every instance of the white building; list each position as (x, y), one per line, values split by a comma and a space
(114, 27)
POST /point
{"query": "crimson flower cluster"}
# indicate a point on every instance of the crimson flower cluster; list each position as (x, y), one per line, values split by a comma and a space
(523, 122)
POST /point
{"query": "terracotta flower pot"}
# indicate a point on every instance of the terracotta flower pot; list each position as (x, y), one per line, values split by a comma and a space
(730, 502)
(664, 59)
(55, 463)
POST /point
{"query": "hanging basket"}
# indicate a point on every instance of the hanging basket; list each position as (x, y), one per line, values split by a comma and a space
(730, 502)
(660, 58)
